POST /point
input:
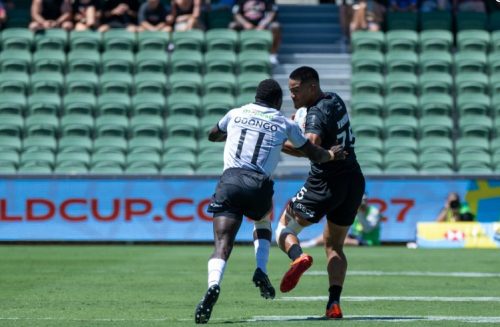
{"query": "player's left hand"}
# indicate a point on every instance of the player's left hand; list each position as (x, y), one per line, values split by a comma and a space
(337, 152)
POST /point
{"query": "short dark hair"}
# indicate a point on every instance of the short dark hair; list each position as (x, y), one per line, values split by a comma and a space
(269, 92)
(305, 74)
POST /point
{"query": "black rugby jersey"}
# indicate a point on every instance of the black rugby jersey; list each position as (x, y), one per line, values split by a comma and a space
(329, 119)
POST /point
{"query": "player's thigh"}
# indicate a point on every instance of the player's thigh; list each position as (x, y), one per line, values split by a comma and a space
(334, 235)
(256, 195)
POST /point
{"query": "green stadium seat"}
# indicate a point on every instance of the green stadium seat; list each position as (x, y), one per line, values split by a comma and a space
(401, 62)
(35, 168)
(145, 144)
(51, 39)
(180, 170)
(193, 40)
(367, 62)
(494, 65)
(436, 159)
(436, 20)
(111, 125)
(221, 39)
(75, 143)
(116, 83)
(44, 104)
(119, 39)
(495, 104)
(14, 82)
(17, 39)
(495, 159)
(110, 158)
(47, 82)
(73, 158)
(14, 60)
(435, 144)
(477, 160)
(470, 62)
(363, 104)
(179, 159)
(254, 62)
(472, 145)
(79, 103)
(207, 170)
(401, 83)
(9, 159)
(77, 125)
(436, 104)
(42, 124)
(495, 41)
(182, 125)
(400, 159)
(400, 145)
(85, 40)
(79, 82)
(405, 126)
(186, 83)
(106, 168)
(367, 83)
(10, 143)
(471, 83)
(436, 126)
(475, 169)
(184, 103)
(12, 103)
(11, 125)
(150, 83)
(366, 144)
(435, 62)
(473, 40)
(402, 20)
(468, 20)
(478, 104)
(38, 158)
(146, 125)
(247, 82)
(176, 144)
(49, 61)
(368, 40)
(71, 168)
(436, 40)
(494, 145)
(259, 40)
(496, 125)
(435, 83)
(148, 104)
(210, 160)
(144, 156)
(220, 61)
(370, 159)
(113, 104)
(84, 61)
(217, 104)
(110, 144)
(475, 125)
(118, 61)
(206, 146)
(142, 167)
(207, 122)
(401, 104)
(367, 125)
(219, 83)
(401, 40)
(39, 143)
(245, 98)
(153, 40)
(151, 61)
(186, 61)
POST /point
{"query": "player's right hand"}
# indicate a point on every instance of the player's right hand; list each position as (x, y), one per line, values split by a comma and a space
(337, 152)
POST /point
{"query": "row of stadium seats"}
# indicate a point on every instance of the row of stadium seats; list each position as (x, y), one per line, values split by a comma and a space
(443, 20)
(430, 40)
(120, 39)
(51, 83)
(125, 61)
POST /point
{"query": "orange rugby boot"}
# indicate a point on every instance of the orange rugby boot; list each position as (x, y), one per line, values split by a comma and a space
(292, 276)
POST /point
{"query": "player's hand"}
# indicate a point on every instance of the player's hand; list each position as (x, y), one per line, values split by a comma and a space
(337, 152)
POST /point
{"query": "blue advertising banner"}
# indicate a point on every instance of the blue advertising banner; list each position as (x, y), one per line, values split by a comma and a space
(148, 209)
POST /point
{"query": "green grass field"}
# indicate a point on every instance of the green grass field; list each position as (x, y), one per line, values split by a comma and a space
(161, 285)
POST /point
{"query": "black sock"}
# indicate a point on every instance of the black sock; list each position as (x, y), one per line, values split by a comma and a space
(294, 252)
(334, 291)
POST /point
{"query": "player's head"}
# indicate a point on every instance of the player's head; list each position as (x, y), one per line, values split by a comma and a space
(304, 86)
(269, 92)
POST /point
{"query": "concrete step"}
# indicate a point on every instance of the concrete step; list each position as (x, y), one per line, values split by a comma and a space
(314, 38)
(308, 9)
(313, 48)
(308, 18)
(323, 69)
(311, 28)
(317, 58)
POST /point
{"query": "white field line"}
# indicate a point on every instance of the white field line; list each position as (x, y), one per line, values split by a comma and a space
(409, 273)
(396, 298)
(86, 319)
(468, 319)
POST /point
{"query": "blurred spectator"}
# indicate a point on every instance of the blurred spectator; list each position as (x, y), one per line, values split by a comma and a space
(403, 5)
(469, 5)
(367, 15)
(186, 14)
(119, 14)
(364, 231)
(50, 14)
(3, 15)
(85, 14)
(258, 15)
(434, 5)
(153, 16)
(454, 210)
(345, 16)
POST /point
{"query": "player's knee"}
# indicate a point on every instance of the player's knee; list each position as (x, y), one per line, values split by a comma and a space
(291, 227)
(263, 230)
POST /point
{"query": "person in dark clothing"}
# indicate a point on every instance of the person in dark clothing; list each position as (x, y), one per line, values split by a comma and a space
(186, 14)
(47, 14)
(119, 14)
(334, 189)
(85, 14)
(153, 16)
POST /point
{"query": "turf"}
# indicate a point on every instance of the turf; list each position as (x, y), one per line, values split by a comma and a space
(161, 285)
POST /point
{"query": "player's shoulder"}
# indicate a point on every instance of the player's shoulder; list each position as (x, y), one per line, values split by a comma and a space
(331, 103)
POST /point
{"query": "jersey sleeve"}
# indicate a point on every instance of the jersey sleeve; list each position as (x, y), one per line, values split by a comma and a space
(222, 124)
(315, 122)
(294, 133)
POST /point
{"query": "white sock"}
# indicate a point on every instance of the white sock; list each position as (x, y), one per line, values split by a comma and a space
(262, 247)
(215, 271)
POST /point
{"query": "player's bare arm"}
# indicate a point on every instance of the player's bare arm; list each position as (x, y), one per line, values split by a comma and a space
(319, 155)
(216, 135)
